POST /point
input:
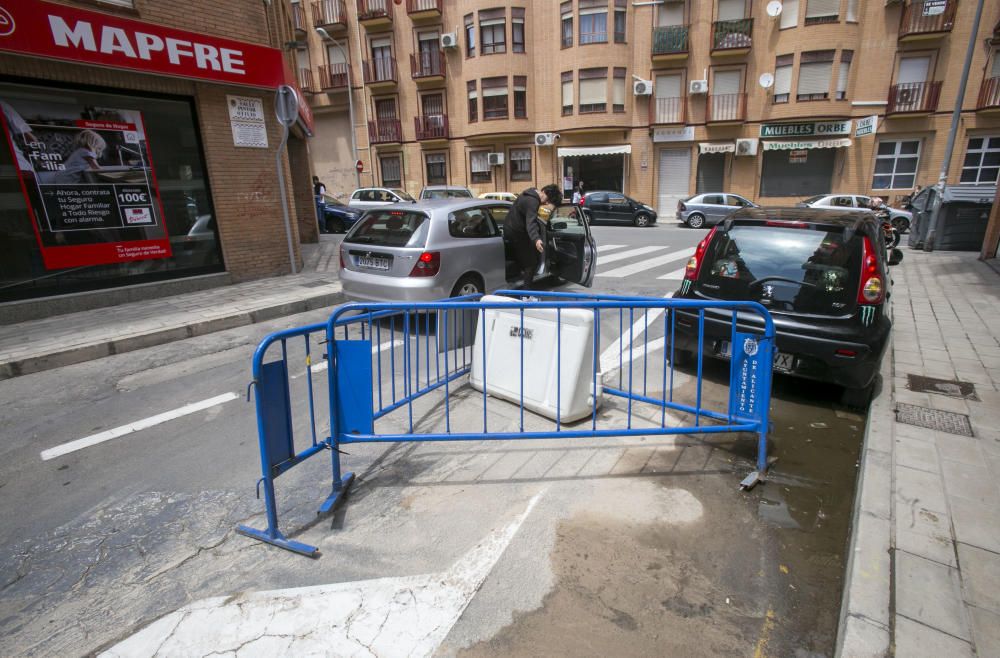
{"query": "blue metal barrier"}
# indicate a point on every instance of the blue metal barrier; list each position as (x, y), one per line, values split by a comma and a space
(382, 357)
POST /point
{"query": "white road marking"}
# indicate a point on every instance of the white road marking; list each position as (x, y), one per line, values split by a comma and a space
(648, 264)
(401, 616)
(610, 356)
(608, 247)
(384, 347)
(631, 253)
(676, 274)
(145, 423)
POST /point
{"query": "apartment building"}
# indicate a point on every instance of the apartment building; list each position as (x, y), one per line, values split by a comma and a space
(656, 99)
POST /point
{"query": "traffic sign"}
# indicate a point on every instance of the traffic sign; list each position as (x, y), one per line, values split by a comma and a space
(360, 166)
(286, 105)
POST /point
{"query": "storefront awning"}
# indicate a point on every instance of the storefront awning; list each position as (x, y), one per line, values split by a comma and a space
(572, 152)
(725, 147)
(797, 144)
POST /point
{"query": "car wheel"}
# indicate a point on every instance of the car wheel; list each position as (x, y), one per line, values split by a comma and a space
(641, 220)
(467, 285)
(696, 220)
(901, 224)
(857, 398)
(335, 226)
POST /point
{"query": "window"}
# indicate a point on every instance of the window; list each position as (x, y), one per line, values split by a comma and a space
(470, 37)
(789, 14)
(517, 29)
(437, 168)
(783, 78)
(814, 75)
(731, 10)
(982, 161)
(616, 199)
(495, 98)
(669, 104)
(471, 223)
(670, 14)
(392, 171)
(822, 11)
(844, 73)
(896, 164)
(567, 92)
(593, 90)
(620, 14)
(479, 163)
(520, 164)
(473, 101)
(618, 91)
(852, 11)
(593, 21)
(520, 97)
(493, 31)
(567, 24)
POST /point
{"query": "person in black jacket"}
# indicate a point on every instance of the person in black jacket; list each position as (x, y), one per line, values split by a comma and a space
(524, 231)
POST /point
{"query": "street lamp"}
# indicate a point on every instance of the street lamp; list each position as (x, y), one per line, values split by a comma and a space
(325, 36)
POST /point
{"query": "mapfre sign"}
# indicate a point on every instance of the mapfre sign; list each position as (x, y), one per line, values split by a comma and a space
(43, 29)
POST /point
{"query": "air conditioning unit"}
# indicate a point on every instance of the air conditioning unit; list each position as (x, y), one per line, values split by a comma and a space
(449, 40)
(495, 159)
(642, 87)
(698, 87)
(746, 146)
(546, 139)
(904, 96)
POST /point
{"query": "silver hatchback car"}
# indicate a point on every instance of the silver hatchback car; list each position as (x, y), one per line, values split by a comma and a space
(450, 247)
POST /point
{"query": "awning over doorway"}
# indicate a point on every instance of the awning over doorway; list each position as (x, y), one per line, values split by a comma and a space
(797, 144)
(724, 147)
(573, 151)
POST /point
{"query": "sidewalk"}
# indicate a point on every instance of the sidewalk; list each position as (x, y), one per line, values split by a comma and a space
(76, 337)
(923, 576)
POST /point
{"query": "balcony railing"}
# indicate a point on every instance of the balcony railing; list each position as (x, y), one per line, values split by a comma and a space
(726, 108)
(913, 98)
(732, 35)
(306, 80)
(668, 110)
(671, 40)
(926, 18)
(380, 69)
(989, 94)
(329, 13)
(427, 64)
(385, 131)
(373, 10)
(299, 17)
(423, 6)
(334, 76)
(431, 126)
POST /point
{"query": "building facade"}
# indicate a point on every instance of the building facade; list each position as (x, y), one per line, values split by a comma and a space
(657, 99)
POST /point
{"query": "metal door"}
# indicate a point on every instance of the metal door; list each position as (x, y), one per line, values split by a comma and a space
(674, 179)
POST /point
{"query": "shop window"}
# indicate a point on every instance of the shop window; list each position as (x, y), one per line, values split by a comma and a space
(479, 164)
(493, 31)
(520, 97)
(473, 101)
(567, 92)
(470, 36)
(982, 161)
(844, 73)
(789, 14)
(783, 78)
(593, 90)
(517, 29)
(896, 164)
(593, 21)
(566, 25)
(799, 173)
(814, 75)
(495, 98)
(822, 11)
(618, 91)
(620, 17)
(436, 165)
(392, 171)
(520, 164)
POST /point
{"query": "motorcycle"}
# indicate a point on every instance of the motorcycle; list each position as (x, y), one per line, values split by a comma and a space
(890, 232)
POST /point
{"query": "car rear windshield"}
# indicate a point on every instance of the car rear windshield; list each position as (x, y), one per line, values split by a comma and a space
(390, 228)
(802, 270)
(814, 199)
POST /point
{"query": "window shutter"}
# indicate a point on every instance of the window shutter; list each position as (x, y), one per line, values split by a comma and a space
(995, 71)
(818, 8)
(381, 43)
(852, 11)
(670, 13)
(842, 74)
(731, 10)
(783, 80)
(495, 91)
(335, 55)
(520, 83)
(567, 94)
(790, 13)
(814, 78)
(668, 86)
(593, 91)
(566, 9)
(435, 158)
(913, 69)
(726, 82)
(619, 91)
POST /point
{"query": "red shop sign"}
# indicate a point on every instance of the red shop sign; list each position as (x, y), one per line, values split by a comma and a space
(44, 29)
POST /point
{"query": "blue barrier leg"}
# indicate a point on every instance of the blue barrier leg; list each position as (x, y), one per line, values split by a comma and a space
(272, 535)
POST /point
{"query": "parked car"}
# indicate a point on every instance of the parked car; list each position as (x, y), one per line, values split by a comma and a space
(450, 247)
(378, 196)
(823, 277)
(710, 208)
(499, 196)
(339, 217)
(445, 192)
(605, 206)
(901, 219)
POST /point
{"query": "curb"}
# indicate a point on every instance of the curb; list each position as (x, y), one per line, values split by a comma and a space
(81, 353)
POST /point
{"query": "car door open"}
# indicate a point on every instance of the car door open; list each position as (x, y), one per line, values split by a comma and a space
(571, 248)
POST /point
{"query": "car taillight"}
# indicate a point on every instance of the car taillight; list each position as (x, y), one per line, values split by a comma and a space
(428, 264)
(872, 289)
(694, 263)
(681, 207)
(343, 265)
(582, 200)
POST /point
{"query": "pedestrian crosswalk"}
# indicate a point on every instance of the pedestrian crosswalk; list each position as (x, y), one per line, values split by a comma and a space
(649, 258)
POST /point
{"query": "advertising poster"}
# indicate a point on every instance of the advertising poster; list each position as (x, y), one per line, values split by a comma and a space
(88, 182)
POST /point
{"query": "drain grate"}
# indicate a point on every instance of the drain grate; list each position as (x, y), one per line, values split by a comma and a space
(934, 419)
(950, 387)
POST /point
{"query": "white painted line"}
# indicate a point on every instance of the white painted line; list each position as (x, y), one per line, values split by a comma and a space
(386, 346)
(610, 356)
(601, 248)
(648, 264)
(145, 423)
(676, 274)
(631, 253)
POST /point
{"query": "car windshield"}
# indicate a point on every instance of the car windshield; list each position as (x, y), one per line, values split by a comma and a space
(390, 228)
(331, 201)
(786, 269)
(447, 194)
(402, 195)
(814, 199)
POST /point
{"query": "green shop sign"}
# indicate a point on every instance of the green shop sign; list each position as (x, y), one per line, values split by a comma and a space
(816, 129)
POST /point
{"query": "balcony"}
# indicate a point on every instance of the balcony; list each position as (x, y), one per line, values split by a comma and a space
(335, 77)
(732, 37)
(423, 9)
(385, 131)
(331, 15)
(432, 127)
(299, 18)
(667, 111)
(926, 20)
(307, 81)
(375, 13)
(989, 95)
(726, 108)
(380, 72)
(913, 98)
(670, 43)
(427, 67)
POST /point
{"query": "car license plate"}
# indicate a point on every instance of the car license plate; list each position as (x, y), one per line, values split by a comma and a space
(783, 362)
(373, 263)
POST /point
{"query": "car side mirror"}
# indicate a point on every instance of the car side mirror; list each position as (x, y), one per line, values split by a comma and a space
(559, 226)
(895, 257)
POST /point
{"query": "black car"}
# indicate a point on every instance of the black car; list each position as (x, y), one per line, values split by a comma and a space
(339, 217)
(616, 207)
(822, 275)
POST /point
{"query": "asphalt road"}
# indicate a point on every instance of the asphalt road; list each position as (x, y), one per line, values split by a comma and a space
(642, 546)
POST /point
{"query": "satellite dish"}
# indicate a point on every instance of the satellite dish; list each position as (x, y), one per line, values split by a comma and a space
(766, 80)
(774, 8)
